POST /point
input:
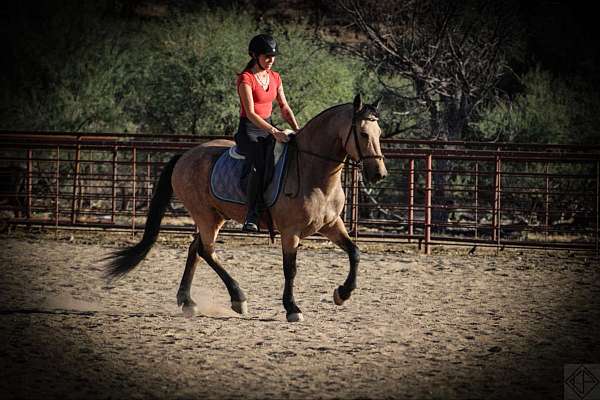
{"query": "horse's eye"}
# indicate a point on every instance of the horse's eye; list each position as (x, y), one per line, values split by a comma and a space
(364, 134)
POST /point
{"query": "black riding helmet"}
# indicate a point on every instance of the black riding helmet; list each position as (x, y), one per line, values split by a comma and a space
(262, 44)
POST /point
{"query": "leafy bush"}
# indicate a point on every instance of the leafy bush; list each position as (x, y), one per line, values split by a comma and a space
(191, 85)
(176, 75)
(65, 71)
(549, 110)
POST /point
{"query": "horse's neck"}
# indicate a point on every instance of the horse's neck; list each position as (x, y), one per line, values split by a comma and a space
(323, 167)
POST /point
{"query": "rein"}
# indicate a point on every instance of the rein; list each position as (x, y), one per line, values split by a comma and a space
(335, 160)
(352, 132)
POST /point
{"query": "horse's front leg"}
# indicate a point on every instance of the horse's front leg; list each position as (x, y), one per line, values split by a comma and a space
(337, 233)
(289, 244)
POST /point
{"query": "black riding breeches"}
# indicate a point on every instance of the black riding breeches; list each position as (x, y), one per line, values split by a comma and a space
(259, 153)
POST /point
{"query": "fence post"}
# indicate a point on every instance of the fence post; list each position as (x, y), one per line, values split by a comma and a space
(57, 195)
(547, 205)
(114, 186)
(134, 183)
(411, 198)
(148, 193)
(428, 194)
(81, 183)
(597, 207)
(75, 181)
(355, 201)
(29, 182)
(476, 199)
(496, 217)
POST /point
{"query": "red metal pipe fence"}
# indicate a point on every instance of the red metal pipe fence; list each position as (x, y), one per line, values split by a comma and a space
(488, 194)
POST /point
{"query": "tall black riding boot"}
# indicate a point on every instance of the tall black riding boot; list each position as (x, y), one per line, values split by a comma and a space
(253, 193)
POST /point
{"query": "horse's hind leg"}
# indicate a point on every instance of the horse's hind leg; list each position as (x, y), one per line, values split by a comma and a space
(337, 234)
(183, 294)
(237, 295)
(206, 250)
(204, 246)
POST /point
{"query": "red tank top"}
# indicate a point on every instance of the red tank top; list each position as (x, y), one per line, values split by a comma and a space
(263, 99)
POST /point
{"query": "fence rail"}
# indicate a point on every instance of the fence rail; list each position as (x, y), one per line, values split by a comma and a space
(489, 194)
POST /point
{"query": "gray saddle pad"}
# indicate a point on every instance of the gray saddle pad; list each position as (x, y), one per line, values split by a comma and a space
(226, 174)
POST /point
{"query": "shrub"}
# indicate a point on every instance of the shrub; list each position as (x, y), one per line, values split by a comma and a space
(174, 75)
(549, 110)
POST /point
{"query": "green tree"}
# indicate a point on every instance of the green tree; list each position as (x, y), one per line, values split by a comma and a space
(189, 85)
(548, 110)
(173, 74)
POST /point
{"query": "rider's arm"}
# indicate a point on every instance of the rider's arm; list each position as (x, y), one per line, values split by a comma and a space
(286, 111)
(245, 92)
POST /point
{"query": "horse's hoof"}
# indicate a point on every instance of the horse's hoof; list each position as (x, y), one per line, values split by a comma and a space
(337, 299)
(295, 317)
(182, 298)
(240, 307)
(189, 310)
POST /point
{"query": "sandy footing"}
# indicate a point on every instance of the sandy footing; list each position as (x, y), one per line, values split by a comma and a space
(448, 325)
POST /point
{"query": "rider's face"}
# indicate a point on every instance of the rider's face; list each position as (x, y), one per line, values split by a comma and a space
(266, 61)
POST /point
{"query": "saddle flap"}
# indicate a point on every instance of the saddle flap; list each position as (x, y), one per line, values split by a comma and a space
(228, 170)
(233, 153)
(277, 151)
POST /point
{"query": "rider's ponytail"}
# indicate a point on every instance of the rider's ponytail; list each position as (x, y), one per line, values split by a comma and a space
(250, 65)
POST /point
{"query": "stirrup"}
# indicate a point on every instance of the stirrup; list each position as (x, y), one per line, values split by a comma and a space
(250, 226)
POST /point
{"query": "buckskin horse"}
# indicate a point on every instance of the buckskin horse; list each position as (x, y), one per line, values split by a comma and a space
(321, 149)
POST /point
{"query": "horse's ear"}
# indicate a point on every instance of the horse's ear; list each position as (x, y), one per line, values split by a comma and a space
(376, 104)
(358, 104)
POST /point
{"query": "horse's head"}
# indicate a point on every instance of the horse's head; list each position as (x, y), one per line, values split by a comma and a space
(362, 142)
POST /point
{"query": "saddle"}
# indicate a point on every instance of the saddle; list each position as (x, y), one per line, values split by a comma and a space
(227, 179)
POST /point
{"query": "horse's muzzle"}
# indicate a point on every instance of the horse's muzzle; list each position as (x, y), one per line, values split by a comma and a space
(374, 170)
(374, 176)
(379, 176)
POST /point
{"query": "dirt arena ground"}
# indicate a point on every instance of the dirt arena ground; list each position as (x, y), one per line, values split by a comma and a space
(446, 326)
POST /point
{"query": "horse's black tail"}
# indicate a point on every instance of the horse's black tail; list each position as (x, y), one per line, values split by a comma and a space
(123, 261)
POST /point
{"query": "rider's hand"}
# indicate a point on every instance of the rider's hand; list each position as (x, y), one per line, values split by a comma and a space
(280, 136)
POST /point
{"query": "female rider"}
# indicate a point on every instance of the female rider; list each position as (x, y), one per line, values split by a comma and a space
(258, 85)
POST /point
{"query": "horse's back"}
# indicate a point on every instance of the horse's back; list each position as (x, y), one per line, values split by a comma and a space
(191, 175)
(216, 146)
(217, 143)
(204, 153)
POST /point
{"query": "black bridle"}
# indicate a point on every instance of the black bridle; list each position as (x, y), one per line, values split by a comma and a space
(352, 132)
